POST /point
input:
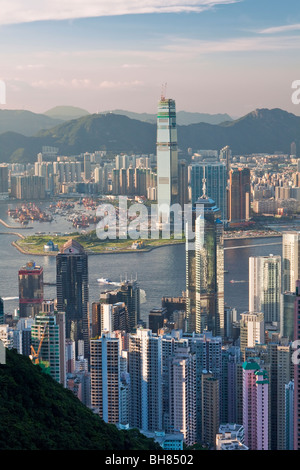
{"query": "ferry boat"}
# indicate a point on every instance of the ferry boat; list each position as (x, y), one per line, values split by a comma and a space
(103, 280)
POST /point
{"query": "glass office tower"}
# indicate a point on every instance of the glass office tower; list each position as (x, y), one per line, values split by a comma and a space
(205, 269)
(215, 175)
(72, 291)
(167, 153)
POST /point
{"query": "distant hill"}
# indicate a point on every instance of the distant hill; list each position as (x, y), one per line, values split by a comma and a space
(263, 130)
(182, 117)
(25, 122)
(65, 113)
(101, 132)
(37, 413)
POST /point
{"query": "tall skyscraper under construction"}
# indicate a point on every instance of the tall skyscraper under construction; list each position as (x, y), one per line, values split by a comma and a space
(167, 153)
(205, 268)
(72, 291)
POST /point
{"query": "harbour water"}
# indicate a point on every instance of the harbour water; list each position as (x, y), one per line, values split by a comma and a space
(160, 272)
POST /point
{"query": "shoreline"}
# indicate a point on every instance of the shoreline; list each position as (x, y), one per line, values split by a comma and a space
(128, 251)
(17, 227)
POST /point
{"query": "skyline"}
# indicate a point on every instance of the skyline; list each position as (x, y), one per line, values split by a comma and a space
(216, 56)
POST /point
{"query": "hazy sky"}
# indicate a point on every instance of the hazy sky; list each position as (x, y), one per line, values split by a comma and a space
(215, 56)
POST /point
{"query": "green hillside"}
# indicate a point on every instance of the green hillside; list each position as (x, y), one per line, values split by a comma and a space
(66, 113)
(261, 131)
(182, 117)
(25, 122)
(37, 413)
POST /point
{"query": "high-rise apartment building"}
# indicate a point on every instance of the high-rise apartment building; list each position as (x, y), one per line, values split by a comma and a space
(129, 293)
(290, 260)
(284, 377)
(31, 289)
(289, 415)
(48, 331)
(145, 369)
(295, 360)
(229, 385)
(252, 330)
(265, 286)
(105, 376)
(1, 311)
(87, 167)
(287, 315)
(167, 154)
(4, 180)
(255, 406)
(210, 398)
(28, 187)
(72, 291)
(205, 269)
(208, 352)
(182, 393)
(239, 195)
(183, 190)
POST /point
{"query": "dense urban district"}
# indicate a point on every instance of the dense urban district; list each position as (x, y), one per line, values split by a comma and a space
(195, 373)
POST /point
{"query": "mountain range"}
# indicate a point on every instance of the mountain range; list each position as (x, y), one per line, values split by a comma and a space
(260, 131)
(182, 117)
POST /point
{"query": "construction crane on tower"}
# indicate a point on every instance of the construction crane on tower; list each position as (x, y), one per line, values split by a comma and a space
(35, 355)
(163, 91)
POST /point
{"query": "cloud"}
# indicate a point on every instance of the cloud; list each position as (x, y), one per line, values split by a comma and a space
(250, 44)
(79, 83)
(18, 11)
(62, 83)
(280, 29)
(30, 66)
(119, 84)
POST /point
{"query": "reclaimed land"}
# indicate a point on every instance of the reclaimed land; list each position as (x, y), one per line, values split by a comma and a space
(34, 244)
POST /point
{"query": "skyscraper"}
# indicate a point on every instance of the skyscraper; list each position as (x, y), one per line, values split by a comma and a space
(145, 369)
(31, 289)
(182, 393)
(105, 376)
(49, 331)
(287, 315)
(129, 293)
(225, 155)
(1, 311)
(183, 190)
(205, 269)
(239, 195)
(265, 286)
(284, 376)
(216, 181)
(290, 260)
(167, 153)
(255, 406)
(210, 407)
(296, 369)
(87, 167)
(208, 353)
(252, 330)
(72, 291)
(4, 180)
